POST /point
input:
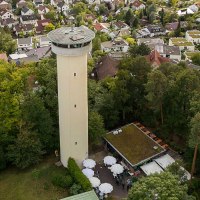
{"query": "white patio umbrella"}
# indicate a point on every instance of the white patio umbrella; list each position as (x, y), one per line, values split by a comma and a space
(117, 168)
(88, 172)
(89, 163)
(106, 188)
(109, 160)
(95, 182)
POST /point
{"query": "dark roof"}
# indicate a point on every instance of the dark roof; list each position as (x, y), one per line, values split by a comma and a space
(37, 1)
(25, 9)
(174, 25)
(61, 4)
(29, 17)
(154, 27)
(24, 40)
(120, 24)
(7, 21)
(107, 66)
(24, 27)
(40, 52)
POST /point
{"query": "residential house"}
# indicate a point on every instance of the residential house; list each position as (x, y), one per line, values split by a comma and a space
(194, 8)
(62, 7)
(21, 4)
(137, 5)
(5, 5)
(24, 43)
(182, 43)
(91, 17)
(25, 11)
(156, 59)
(185, 11)
(119, 33)
(28, 19)
(156, 30)
(42, 10)
(20, 58)
(172, 52)
(193, 36)
(102, 27)
(120, 25)
(174, 25)
(10, 22)
(142, 33)
(42, 52)
(151, 42)
(189, 54)
(6, 14)
(166, 51)
(55, 2)
(25, 28)
(44, 41)
(97, 2)
(105, 67)
(116, 45)
(38, 2)
(3, 56)
(40, 25)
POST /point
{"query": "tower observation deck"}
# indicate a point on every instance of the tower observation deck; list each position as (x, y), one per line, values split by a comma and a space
(72, 45)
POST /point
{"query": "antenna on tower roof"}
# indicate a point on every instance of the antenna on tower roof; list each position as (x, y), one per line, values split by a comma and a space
(71, 18)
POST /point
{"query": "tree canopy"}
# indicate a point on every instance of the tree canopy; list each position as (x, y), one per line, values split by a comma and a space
(163, 186)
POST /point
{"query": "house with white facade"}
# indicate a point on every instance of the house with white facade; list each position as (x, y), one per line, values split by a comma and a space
(62, 7)
(44, 41)
(117, 45)
(24, 43)
(193, 36)
(182, 43)
(185, 11)
(166, 51)
(23, 28)
(25, 11)
(42, 10)
(28, 19)
(6, 14)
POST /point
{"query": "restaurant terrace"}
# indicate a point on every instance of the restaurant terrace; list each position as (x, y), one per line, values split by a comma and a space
(135, 144)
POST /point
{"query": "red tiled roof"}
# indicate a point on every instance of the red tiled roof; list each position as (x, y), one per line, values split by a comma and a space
(41, 24)
(98, 27)
(155, 58)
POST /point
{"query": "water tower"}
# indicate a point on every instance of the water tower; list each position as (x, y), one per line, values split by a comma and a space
(72, 45)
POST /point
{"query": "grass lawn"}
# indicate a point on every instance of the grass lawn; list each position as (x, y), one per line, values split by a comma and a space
(31, 184)
(133, 144)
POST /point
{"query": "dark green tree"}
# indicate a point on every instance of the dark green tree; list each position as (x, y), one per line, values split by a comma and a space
(26, 150)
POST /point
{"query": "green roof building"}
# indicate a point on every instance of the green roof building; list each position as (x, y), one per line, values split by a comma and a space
(91, 195)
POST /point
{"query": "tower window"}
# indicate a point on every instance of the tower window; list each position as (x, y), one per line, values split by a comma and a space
(74, 74)
(75, 143)
(74, 105)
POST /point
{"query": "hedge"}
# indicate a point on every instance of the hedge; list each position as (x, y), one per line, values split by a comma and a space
(62, 181)
(78, 176)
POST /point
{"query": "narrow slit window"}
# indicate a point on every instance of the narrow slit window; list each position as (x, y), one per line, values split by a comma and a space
(74, 74)
(74, 105)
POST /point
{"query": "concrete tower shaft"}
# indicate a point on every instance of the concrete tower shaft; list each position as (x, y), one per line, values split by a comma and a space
(72, 45)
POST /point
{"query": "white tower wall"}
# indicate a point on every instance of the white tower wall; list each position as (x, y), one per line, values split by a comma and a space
(73, 107)
(72, 45)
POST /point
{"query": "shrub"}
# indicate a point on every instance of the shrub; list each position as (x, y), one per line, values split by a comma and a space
(75, 189)
(78, 176)
(62, 181)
